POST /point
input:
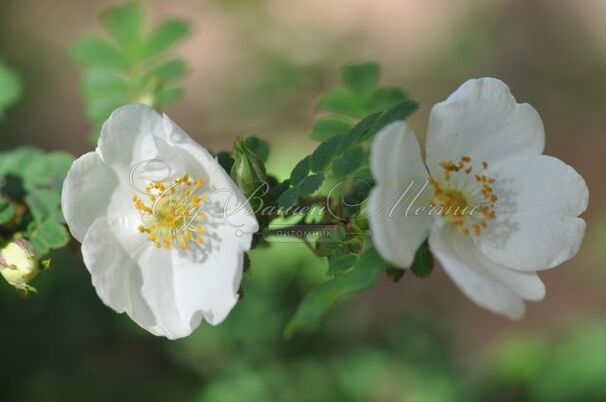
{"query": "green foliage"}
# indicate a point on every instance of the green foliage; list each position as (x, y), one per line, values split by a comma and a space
(359, 97)
(345, 148)
(343, 152)
(320, 299)
(133, 65)
(258, 146)
(31, 192)
(353, 114)
(300, 171)
(225, 160)
(288, 198)
(533, 368)
(344, 155)
(242, 359)
(310, 184)
(10, 87)
(349, 162)
(422, 265)
(339, 264)
(324, 154)
(327, 126)
(48, 234)
(360, 78)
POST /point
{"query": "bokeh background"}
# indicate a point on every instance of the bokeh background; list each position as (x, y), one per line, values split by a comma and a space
(257, 67)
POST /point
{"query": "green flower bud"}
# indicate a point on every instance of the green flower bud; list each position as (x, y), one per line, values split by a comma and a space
(19, 264)
(248, 172)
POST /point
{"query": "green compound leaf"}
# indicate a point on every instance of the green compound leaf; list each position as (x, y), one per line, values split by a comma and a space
(48, 235)
(362, 77)
(360, 96)
(97, 52)
(42, 203)
(165, 37)
(124, 24)
(10, 87)
(310, 184)
(101, 81)
(401, 111)
(288, 198)
(360, 131)
(349, 162)
(12, 162)
(326, 127)
(324, 154)
(300, 171)
(35, 188)
(131, 65)
(319, 300)
(48, 169)
(343, 102)
(170, 69)
(384, 98)
(343, 155)
(343, 150)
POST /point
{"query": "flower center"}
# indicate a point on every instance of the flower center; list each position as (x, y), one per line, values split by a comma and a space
(464, 198)
(172, 214)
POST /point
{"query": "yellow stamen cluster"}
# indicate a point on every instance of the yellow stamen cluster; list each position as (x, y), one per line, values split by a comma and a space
(172, 213)
(457, 199)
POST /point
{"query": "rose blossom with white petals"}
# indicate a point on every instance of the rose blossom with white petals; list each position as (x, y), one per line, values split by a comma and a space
(162, 226)
(496, 209)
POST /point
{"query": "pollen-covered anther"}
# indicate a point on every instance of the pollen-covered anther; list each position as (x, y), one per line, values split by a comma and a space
(172, 212)
(462, 197)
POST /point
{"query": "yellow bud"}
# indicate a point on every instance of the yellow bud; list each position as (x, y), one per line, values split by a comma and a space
(19, 264)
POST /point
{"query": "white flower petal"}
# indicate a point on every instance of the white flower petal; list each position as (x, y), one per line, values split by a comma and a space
(161, 292)
(527, 285)
(397, 168)
(541, 184)
(494, 287)
(211, 286)
(536, 225)
(134, 134)
(173, 134)
(196, 158)
(86, 193)
(115, 275)
(167, 292)
(481, 119)
(127, 132)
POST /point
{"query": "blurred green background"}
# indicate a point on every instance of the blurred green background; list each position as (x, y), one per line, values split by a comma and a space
(258, 66)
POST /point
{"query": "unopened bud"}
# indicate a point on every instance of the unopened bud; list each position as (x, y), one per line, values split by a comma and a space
(248, 172)
(19, 264)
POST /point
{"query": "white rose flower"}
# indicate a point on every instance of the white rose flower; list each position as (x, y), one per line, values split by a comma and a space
(147, 206)
(495, 209)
